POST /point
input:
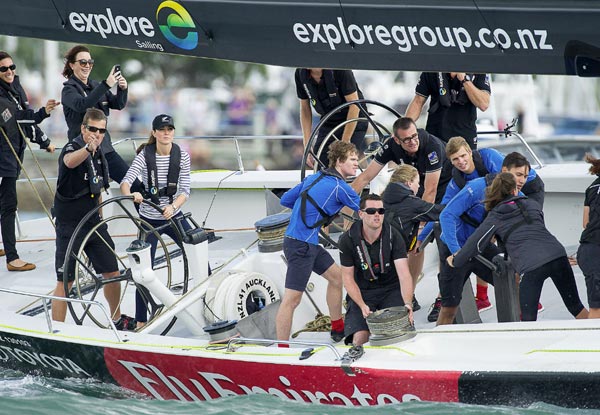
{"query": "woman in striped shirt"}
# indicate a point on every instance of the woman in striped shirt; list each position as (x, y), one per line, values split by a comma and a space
(164, 170)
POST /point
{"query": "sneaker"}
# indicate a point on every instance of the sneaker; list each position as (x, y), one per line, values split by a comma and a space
(483, 304)
(125, 323)
(354, 353)
(540, 307)
(337, 336)
(434, 310)
(415, 304)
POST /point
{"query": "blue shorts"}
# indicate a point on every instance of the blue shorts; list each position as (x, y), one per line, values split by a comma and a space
(588, 258)
(302, 259)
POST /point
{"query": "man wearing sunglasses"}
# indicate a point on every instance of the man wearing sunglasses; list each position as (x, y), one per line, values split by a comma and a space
(374, 270)
(82, 176)
(19, 121)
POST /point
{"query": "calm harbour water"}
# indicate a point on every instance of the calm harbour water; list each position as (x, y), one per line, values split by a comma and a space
(37, 395)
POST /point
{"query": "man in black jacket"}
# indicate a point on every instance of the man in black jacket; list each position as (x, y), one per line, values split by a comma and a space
(18, 120)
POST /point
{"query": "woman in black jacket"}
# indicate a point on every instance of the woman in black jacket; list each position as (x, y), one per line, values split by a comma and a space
(18, 120)
(518, 224)
(588, 254)
(80, 93)
(406, 211)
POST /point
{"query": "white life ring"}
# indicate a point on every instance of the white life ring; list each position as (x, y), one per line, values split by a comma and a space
(231, 296)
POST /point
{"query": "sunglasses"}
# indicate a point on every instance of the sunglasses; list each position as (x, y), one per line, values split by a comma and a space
(372, 211)
(408, 139)
(93, 129)
(6, 68)
(84, 63)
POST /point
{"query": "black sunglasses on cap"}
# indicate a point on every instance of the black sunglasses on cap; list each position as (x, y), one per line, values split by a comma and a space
(6, 68)
(93, 129)
(372, 211)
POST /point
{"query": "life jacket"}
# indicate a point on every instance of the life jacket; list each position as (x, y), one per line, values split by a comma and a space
(334, 100)
(362, 252)
(482, 171)
(465, 217)
(305, 197)
(526, 220)
(448, 96)
(97, 181)
(154, 192)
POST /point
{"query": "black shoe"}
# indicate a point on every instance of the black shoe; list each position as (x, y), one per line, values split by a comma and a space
(337, 336)
(125, 323)
(435, 310)
(354, 353)
(415, 304)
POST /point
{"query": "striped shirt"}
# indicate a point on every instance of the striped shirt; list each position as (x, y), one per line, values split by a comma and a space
(139, 170)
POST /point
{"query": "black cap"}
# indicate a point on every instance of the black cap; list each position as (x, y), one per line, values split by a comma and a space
(162, 120)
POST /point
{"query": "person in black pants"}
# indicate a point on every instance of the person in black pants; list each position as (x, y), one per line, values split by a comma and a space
(80, 93)
(588, 254)
(518, 224)
(18, 119)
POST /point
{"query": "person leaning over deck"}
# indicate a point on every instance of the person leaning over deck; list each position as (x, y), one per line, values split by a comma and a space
(588, 254)
(462, 214)
(405, 211)
(325, 90)
(80, 93)
(374, 269)
(82, 176)
(170, 165)
(314, 202)
(16, 109)
(518, 224)
(455, 98)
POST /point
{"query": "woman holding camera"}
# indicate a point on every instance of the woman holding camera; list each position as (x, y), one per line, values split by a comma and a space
(80, 93)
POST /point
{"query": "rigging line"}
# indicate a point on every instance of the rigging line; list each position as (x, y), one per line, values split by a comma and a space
(345, 21)
(62, 21)
(215, 194)
(488, 26)
(37, 162)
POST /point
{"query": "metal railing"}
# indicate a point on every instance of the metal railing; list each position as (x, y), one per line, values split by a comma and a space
(245, 340)
(46, 297)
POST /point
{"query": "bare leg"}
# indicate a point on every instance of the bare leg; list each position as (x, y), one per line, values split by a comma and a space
(415, 265)
(334, 291)
(594, 313)
(285, 315)
(112, 293)
(59, 308)
(447, 315)
(360, 337)
(583, 314)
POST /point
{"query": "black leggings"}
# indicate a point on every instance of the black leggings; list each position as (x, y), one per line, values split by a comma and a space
(531, 284)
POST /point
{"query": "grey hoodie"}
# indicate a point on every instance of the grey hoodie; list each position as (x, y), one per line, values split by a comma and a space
(529, 245)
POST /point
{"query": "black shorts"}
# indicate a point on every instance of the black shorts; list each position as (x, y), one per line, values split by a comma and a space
(452, 280)
(302, 259)
(588, 258)
(376, 299)
(98, 252)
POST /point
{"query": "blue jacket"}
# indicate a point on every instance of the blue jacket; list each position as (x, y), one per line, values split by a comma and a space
(331, 193)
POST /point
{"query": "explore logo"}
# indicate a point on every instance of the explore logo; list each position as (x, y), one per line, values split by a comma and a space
(177, 20)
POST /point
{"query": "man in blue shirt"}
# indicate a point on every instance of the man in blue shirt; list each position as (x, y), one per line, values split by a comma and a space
(314, 203)
(458, 220)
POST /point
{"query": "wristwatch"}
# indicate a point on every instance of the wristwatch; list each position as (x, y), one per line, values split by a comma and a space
(467, 78)
(87, 148)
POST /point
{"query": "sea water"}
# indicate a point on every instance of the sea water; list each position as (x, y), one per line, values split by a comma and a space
(21, 394)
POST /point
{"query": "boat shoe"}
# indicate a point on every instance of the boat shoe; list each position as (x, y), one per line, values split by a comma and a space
(25, 267)
(125, 323)
(2, 252)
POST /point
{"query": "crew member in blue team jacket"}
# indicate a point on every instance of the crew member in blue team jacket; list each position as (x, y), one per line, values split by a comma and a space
(314, 202)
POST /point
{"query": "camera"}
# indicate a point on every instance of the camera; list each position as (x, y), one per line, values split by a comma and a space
(117, 69)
